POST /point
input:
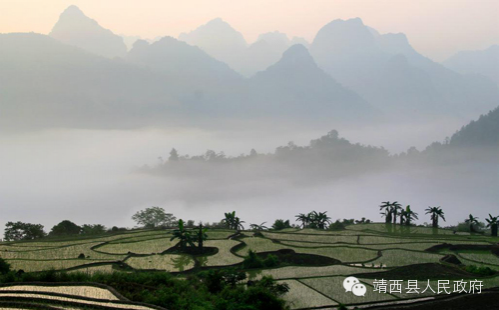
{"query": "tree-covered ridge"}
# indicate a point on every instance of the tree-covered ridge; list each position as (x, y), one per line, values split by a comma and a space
(327, 148)
(482, 132)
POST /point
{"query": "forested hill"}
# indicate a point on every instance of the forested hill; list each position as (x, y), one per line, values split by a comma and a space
(329, 156)
(483, 132)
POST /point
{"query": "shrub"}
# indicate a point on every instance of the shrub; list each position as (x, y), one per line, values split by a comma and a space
(213, 289)
(252, 260)
(482, 271)
(336, 226)
(281, 224)
(4, 266)
(271, 261)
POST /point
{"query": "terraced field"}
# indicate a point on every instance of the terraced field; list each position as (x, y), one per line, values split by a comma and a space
(368, 251)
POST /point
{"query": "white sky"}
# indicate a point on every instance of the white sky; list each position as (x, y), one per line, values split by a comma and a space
(437, 28)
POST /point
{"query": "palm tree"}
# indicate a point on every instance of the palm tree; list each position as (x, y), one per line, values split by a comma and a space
(493, 221)
(471, 220)
(319, 219)
(183, 235)
(304, 219)
(238, 224)
(201, 236)
(409, 215)
(259, 227)
(229, 219)
(232, 221)
(387, 213)
(395, 210)
(435, 212)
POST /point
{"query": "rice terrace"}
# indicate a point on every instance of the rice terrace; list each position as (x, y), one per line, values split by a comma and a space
(306, 267)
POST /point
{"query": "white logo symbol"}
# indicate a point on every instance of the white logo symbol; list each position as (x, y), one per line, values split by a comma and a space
(352, 284)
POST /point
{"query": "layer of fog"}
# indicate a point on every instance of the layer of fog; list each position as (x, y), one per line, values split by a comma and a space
(88, 177)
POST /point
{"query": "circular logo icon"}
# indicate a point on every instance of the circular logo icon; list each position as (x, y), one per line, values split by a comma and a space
(359, 289)
(349, 282)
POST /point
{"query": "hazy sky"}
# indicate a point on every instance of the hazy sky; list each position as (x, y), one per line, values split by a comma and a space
(437, 28)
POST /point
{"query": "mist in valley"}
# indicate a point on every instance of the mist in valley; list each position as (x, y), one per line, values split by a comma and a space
(97, 176)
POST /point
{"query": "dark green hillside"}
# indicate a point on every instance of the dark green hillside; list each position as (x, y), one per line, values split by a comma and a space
(482, 132)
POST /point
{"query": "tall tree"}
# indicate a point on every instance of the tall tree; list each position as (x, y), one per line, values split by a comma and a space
(319, 220)
(409, 215)
(436, 213)
(396, 210)
(386, 207)
(492, 222)
(185, 237)
(65, 228)
(201, 236)
(231, 221)
(304, 219)
(23, 231)
(471, 220)
(154, 217)
(173, 155)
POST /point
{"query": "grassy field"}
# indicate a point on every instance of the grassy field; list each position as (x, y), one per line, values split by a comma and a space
(364, 250)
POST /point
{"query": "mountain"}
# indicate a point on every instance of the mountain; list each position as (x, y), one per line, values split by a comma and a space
(130, 40)
(296, 85)
(484, 62)
(181, 61)
(44, 82)
(391, 75)
(266, 51)
(219, 40)
(277, 40)
(74, 28)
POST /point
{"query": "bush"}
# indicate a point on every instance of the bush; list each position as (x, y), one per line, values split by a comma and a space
(213, 289)
(281, 224)
(482, 271)
(271, 261)
(336, 226)
(4, 266)
(254, 261)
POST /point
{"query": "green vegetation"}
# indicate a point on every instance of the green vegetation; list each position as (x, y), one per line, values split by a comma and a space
(436, 213)
(184, 236)
(215, 289)
(23, 231)
(481, 271)
(493, 221)
(254, 261)
(4, 266)
(167, 264)
(231, 221)
(281, 224)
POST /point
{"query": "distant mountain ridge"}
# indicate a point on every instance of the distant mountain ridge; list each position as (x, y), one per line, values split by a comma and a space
(218, 39)
(350, 73)
(177, 58)
(45, 83)
(484, 62)
(374, 66)
(74, 28)
(295, 83)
